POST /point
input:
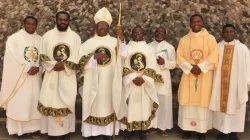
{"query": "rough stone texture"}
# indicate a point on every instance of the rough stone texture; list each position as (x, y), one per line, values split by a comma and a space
(172, 14)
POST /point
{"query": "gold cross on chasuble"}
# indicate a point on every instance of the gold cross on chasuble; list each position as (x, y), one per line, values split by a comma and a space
(59, 121)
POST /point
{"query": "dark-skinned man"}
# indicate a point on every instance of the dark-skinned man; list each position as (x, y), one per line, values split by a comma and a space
(58, 57)
(197, 56)
(230, 85)
(140, 101)
(166, 60)
(22, 80)
(97, 64)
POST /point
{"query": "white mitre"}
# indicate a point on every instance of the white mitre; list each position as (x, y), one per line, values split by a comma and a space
(103, 15)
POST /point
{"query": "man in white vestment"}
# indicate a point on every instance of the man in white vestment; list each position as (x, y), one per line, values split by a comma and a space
(166, 60)
(140, 101)
(22, 80)
(98, 63)
(230, 85)
(58, 57)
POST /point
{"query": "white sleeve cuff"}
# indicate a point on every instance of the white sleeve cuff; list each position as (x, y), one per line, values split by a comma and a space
(186, 67)
(48, 65)
(205, 66)
(28, 66)
(123, 50)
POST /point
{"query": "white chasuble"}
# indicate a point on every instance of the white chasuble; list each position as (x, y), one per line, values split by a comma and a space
(98, 105)
(164, 90)
(139, 103)
(230, 94)
(59, 89)
(20, 91)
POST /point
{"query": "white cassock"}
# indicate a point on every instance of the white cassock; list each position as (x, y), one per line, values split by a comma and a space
(59, 89)
(20, 91)
(165, 113)
(98, 105)
(232, 119)
(140, 103)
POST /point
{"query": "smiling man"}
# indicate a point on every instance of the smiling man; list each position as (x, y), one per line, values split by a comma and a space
(97, 64)
(58, 57)
(22, 80)
(197, 56)
(166, 60)
(230, 87)
(140, 101)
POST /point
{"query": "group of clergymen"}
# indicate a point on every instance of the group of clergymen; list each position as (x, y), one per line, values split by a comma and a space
(123, 86)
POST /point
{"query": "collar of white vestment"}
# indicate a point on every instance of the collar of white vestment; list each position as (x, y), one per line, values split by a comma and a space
(62, 32)
(131, 42)
(101, 37)
(159, 43)
(22, 31)
(234, 42)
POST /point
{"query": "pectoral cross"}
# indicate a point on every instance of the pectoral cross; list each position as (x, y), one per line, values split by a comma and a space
(59, 121)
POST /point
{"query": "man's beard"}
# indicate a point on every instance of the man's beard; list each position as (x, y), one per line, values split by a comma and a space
(62, 29)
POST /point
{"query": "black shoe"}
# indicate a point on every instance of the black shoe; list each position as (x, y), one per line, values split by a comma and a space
(66, 137)
(107, 138)
(127, 137)
(87, 138)
(54, 138)
(186, 135)
(222, 136)
(201, 136)
(233, 136)
(35, 135)
(142, 135)
(19, 138)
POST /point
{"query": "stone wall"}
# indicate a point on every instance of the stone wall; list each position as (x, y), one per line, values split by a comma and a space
(172, 14)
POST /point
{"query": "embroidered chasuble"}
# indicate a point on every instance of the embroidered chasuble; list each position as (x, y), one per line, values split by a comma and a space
(58, 91)
(139, 103)
(97, 87)
(20, 91)
(195, 90)
(59, 88)
(201, 50)
(98, 98)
